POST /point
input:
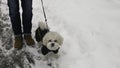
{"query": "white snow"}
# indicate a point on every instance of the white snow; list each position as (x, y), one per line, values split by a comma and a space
(91, 31)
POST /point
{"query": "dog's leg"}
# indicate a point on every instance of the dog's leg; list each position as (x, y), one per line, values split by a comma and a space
(52, 62)
(49, 62)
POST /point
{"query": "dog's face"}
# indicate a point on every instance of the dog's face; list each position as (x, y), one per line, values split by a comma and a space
(52, 40)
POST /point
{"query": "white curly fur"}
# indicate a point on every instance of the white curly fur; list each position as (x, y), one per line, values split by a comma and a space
(43, 25)
(52, 36)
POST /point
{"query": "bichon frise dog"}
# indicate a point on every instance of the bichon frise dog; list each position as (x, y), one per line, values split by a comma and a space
(51, 41)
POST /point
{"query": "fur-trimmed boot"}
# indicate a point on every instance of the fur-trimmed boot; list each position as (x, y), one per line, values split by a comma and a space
(29, 40)
(18, 42)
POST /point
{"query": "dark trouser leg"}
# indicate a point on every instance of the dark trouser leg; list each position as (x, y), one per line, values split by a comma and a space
(27, 16)
(15, 16)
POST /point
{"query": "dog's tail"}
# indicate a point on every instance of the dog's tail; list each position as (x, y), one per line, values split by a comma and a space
(43, 25)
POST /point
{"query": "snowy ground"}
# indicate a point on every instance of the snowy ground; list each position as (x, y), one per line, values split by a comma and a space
(90, 29)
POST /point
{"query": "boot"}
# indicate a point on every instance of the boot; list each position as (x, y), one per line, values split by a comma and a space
(29, 40)
(18, 42)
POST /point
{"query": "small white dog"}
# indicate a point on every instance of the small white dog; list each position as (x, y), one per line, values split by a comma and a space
(51, 41)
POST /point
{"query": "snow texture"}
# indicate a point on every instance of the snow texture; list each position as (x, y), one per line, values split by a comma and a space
(90, 29)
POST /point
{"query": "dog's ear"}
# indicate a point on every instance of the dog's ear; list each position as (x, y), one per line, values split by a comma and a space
(60, 39)
(45, 40)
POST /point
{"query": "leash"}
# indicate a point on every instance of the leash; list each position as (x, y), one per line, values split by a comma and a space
(45, 17)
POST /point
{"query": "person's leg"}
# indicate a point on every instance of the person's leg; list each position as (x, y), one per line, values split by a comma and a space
(15, 16)
(16, 22)
(27, 16)
(27, 21)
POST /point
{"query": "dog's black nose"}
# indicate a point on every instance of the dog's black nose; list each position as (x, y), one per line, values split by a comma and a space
(52, 44)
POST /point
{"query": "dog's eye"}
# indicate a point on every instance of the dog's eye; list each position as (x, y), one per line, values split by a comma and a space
(55, 40)
(49, 40)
